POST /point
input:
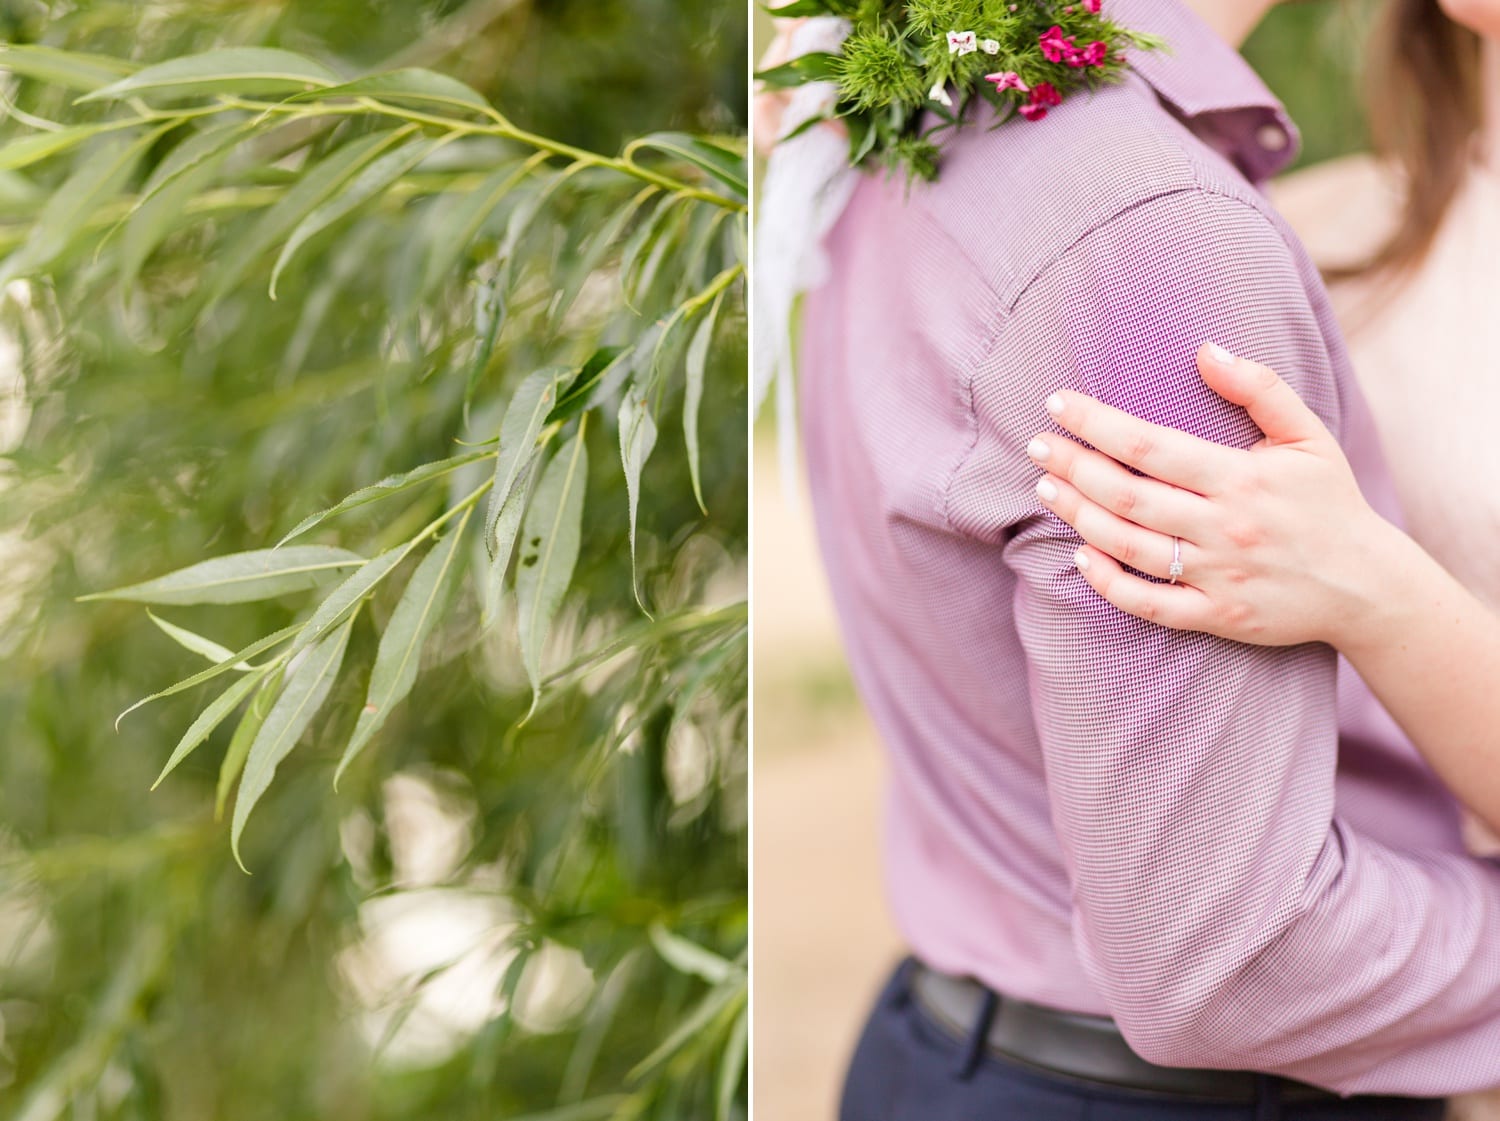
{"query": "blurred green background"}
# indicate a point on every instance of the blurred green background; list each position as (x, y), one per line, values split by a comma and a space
(461, 931)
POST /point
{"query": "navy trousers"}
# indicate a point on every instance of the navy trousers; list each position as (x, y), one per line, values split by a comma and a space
(907, 1067)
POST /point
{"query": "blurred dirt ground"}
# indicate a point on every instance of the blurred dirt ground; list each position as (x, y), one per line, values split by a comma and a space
(823, 942)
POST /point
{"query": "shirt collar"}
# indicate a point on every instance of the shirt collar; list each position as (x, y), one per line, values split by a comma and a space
(1210, 86)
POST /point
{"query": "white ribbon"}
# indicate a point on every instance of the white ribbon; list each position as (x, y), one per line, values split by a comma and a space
(807, 184)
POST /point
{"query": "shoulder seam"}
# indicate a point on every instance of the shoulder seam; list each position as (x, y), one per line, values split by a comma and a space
(1008, 307)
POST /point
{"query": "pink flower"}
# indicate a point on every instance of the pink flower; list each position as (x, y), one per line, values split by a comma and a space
(1093, 5)
(1044, 96)
(1055, 46)
(1007, 80)
(1093, 54)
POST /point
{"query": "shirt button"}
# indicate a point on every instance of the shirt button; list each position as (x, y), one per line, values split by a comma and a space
(1272, 138)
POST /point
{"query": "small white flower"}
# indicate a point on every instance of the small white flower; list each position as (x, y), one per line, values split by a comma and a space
(962, 42)
(939, 93)
(990, 46)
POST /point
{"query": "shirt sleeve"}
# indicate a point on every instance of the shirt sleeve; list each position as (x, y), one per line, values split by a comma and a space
(1226, 912)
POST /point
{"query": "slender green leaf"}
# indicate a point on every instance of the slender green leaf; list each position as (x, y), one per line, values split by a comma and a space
(39, 146)
(70, 69)
(637, 439)
(727, 166)
(549, 550)
(65, 217)
(524, 417)
(372, 180)
(244, 735)
(189, 640)
(640, 248)
(163, 201)
(403, 87)
(595, 1109)
(600, 376)
(228, 70)
(732, 1065)
(307, 686)
(311, 190)
(241, 577)
(815, 67)
(490, 309)
(400, 653)
(502, 540)
(692, 393)
(209, 719)
(391, 484)
(692, 1026)
(348, 596)
(259, 646)
(594, 250)
(688, 957)
(462, 219)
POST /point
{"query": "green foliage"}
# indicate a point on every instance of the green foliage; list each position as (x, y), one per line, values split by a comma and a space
(901, 83)
(358, 382)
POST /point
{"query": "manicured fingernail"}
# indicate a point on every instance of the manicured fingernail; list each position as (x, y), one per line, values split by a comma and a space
(1046, 490)
(1055, 405)
(1038, 450)
(1081, 560)
(1221, 355)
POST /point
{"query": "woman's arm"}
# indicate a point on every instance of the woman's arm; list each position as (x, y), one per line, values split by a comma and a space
(1278, 547)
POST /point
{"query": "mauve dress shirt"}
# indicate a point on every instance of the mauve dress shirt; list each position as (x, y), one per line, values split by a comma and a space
(1230, 849)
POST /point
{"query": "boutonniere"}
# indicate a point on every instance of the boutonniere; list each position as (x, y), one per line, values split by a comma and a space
(900, 61)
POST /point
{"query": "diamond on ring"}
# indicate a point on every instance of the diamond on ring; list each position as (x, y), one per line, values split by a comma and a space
(1174, 570)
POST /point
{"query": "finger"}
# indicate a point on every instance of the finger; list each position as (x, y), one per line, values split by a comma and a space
(1271, 402)
(1144, 550)
(1136, 498)
(1167, 454)
(1170, 605)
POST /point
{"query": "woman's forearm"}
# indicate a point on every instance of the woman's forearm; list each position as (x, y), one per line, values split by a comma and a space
(1430, 651)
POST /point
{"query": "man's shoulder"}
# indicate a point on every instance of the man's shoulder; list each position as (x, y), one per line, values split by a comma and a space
(1018, 197)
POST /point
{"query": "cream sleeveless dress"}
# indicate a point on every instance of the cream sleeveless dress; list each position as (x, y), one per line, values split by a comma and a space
(1427, 356)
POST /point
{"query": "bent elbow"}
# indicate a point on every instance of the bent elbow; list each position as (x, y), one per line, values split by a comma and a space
(1180, 1029)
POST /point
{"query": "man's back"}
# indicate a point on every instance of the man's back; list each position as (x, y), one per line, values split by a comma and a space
(1088, 811)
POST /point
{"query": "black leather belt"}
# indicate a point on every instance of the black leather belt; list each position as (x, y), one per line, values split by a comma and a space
(1073, 1045)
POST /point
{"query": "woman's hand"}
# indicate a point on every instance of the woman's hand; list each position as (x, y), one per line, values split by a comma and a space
(1277, 544)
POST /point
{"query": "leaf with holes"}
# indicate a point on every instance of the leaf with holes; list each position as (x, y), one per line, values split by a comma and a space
(550, 538)
(524, 417)
(502, 541)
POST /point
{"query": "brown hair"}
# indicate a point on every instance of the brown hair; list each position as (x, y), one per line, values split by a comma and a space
(1424, 115)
